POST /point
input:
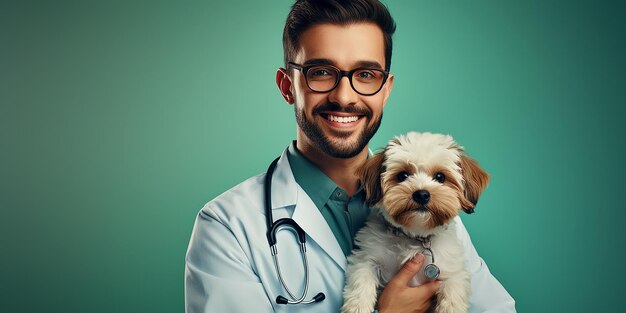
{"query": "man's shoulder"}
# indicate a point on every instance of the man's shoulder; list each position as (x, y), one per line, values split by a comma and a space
(240, 200)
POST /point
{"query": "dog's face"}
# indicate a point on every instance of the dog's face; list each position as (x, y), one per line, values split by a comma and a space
(421, 180)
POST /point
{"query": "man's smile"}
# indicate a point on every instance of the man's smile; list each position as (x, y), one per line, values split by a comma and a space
(341, 119)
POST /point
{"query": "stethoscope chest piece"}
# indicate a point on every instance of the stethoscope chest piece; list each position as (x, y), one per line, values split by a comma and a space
(431, 271)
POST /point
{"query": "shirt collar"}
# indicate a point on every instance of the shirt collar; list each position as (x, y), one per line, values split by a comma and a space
(313, 181)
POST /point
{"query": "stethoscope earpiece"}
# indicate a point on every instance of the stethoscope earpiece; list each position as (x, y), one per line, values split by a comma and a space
(318, 298)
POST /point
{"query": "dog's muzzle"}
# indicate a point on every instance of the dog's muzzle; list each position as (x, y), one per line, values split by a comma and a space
(421, 196)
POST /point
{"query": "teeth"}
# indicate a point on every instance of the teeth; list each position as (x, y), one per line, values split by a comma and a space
(341, 119)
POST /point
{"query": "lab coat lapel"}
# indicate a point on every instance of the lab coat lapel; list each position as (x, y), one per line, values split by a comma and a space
(287, 192)
(309, 217)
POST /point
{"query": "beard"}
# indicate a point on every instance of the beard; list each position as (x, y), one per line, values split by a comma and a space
(341, 148)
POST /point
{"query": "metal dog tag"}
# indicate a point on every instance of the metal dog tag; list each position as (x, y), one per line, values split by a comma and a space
(431, 271)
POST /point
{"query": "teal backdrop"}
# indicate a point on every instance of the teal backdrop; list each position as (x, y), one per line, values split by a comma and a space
(120, 119)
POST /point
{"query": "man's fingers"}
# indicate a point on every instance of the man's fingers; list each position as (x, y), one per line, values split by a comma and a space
(407, 271)
(430, 288)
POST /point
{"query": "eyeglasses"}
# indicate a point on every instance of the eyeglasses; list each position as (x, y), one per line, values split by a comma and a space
(324, 78)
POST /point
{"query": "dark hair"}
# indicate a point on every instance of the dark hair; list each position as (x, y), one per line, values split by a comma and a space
(306, 13)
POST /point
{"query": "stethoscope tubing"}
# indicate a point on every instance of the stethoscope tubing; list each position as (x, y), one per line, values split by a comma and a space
(272, 228)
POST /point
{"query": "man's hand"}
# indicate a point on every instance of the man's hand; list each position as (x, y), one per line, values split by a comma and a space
(398, 297)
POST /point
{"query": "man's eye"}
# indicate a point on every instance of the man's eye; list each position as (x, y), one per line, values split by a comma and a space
(402, 176)
(365, 74)
(320, 72)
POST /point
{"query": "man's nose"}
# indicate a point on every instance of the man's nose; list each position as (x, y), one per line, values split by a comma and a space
(343, 94)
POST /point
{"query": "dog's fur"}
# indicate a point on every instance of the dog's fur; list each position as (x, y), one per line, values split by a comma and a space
(389, 238)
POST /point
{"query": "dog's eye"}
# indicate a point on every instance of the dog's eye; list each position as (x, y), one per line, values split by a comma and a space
(402, 176)
(439, 177)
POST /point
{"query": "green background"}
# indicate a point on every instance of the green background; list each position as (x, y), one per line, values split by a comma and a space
(120, 119)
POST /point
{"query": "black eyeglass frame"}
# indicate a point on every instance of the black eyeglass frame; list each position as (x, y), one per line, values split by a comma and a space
(305, 69)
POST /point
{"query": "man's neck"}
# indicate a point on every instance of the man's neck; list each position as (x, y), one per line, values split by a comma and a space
(339, 170)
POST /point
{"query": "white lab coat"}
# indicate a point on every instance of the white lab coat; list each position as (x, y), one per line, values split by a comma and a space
(229, 267)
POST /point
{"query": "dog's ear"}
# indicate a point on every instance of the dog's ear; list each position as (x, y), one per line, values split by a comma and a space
(369, 174)
(476, 179)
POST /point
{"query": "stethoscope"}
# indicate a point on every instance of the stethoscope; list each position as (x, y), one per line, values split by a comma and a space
(272, 229)
(431, 271)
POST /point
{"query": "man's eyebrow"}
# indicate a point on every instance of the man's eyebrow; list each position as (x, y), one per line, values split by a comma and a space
(367, 64)
(318, 62)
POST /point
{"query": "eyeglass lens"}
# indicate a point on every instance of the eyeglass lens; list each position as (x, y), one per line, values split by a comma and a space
(324, 78)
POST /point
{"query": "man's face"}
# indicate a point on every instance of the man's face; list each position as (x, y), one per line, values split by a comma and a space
(340, 122)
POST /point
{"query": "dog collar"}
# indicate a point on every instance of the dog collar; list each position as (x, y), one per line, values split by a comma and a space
(424, 240)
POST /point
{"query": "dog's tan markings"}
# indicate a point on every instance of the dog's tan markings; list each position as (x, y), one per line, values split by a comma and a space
(405, 219)
(392, 176)
(400, 209)
(369, 174)
(443, 206)
(449, 175)
(399, 203)
(476, 179)
(453, 183)
(449, 181)
(397, 199)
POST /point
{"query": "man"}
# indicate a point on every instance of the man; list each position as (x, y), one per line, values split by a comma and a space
(337, 58)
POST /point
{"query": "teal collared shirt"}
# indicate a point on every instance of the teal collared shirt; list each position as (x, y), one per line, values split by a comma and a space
(345, 215)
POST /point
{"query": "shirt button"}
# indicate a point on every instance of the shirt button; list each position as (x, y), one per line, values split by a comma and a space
(338, 194)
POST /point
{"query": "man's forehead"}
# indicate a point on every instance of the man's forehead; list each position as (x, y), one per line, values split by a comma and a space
(345, 46)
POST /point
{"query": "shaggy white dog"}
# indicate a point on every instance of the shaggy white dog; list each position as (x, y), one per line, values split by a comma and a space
(417, 185)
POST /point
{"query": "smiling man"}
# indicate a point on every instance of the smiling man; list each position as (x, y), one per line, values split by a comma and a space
(337, 111)
(336, 76)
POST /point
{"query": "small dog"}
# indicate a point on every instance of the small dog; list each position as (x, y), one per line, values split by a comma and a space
(417, 185)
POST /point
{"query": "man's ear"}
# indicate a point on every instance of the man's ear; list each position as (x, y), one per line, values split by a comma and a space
(369, 174)
(283, 81)
(476, 179)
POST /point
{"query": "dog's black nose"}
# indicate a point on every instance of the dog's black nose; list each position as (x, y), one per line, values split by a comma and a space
(421, 196)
